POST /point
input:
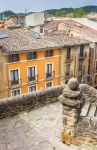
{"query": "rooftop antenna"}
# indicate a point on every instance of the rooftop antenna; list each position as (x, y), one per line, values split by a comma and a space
(26, 10)
(3, 16)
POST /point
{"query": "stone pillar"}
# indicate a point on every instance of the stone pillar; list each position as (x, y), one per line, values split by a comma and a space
(71, 103)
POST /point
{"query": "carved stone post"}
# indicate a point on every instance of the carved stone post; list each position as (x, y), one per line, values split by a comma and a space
(71, 102)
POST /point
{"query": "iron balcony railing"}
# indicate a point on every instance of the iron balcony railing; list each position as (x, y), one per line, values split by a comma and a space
(15, 83)
(32, 79)
(50, 75)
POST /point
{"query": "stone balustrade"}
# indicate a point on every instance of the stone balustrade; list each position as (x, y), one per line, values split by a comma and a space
(79, 104)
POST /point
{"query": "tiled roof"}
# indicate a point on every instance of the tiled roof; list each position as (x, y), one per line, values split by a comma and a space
(21, 40)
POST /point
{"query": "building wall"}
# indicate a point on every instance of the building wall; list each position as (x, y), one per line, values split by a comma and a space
(37, 29)
(40, 63)
(74, 64)
(64, 63)
(34, 19)
(14, 20)
(3, 84)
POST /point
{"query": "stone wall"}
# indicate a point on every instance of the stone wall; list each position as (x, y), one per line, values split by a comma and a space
(79, 113)
(14, 105)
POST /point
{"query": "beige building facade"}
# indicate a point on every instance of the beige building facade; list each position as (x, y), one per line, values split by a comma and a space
(79, 62)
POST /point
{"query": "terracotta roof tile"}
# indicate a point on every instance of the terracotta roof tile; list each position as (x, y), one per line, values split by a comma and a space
(22, 40)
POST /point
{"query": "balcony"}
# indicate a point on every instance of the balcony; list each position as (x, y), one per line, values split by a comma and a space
(15, 83)
(32, 80)
(50, 76)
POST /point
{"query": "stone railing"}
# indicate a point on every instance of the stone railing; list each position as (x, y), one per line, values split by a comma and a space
(14, 105)
(79, 113)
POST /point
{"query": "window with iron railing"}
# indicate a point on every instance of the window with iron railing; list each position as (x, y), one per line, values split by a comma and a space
(32, 88)
(14, 77)
(49, 53)
(13, 58)
(32, 55)
(32, 76)
(49, 84)
(49, 71)
(15, 92)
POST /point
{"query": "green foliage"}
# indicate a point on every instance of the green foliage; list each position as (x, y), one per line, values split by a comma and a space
(79, 12)
(60, 13)
(6, 14)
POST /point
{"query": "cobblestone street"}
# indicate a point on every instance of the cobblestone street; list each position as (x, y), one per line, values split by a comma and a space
(39, 129)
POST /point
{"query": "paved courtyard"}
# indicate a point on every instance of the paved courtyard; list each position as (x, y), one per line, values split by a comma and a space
(39, 129)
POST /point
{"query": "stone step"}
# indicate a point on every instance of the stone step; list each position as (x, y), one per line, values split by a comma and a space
(92, 110)
(85, 109)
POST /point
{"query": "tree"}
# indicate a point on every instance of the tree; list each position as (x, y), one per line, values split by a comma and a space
(60, 13)
(79, 12)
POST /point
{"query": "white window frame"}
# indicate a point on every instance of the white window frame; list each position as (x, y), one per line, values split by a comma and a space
(13, 70)
(31, 86)
(48, 82)
(15, 90)
(30, 67)
(48, 64)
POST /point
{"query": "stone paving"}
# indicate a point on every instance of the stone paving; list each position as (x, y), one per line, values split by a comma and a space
(39, 129)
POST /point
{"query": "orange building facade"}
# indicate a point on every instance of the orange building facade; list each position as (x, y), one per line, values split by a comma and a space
(30, 71)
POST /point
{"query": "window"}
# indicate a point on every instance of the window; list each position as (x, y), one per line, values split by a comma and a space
(32, 55)
(15, 92)
(14, 77)
(80, 65)
(32, 73)
(49, 84)
(49, 53)
(81, 50)
(80, 78)
(32, 88)
(13, 58)
(68, 70)
(49, 70)
(68, 53)
(41, 29)
(96, 65)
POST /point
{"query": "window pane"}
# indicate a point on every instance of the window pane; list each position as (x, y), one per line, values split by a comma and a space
(32, 88)
(15, 92)
(49, 84)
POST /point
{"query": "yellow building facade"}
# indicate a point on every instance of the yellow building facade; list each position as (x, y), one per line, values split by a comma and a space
(23, 75)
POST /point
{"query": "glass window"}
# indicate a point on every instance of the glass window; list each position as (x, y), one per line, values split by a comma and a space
(49, 70)
(32, 55)
(49, 53)
(13, 58)
(81, 50)
(32, 88)
(68, 53)
(49, 84)
(14, 77)
(15, 92)
(41, 29)
(32, 73)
